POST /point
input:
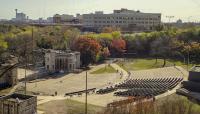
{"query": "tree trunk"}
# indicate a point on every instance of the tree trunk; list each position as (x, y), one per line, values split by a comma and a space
(164, 61)
(156, 60)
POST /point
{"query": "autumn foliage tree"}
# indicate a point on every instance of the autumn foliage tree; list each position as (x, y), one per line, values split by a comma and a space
(89, 49)
(118, 46)
(193, 51)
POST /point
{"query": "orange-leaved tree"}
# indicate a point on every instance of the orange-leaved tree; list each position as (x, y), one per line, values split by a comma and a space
(89, 48)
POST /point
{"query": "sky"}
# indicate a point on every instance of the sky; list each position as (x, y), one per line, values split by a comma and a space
(187, 10)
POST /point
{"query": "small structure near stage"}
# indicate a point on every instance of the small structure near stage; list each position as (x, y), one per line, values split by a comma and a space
(8, 72)
(191, 88)
(193, 83)
(18, 104)
(62, 61)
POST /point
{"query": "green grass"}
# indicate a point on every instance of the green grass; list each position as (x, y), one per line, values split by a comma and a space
(68, 107)
(142, 64)
(106, 69)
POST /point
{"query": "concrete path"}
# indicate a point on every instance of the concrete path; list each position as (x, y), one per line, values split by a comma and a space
(121, 70)
(45, 99)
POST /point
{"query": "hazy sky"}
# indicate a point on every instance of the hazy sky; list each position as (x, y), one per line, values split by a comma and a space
(184, 9)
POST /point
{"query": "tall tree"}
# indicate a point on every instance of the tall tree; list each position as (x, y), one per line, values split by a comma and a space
(118, 46)
(89, 48)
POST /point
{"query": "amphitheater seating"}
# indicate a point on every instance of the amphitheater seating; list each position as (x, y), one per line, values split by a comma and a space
(147, 87)
(106, 90)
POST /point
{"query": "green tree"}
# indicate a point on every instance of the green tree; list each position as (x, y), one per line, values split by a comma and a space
(3, 44)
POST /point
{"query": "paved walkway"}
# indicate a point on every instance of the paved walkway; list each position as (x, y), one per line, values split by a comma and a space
(45, 99)
(124, 73)
(103, 100)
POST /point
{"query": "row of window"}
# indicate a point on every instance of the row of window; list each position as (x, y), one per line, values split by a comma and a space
(141, 26)
(127, 18)
(141, 22)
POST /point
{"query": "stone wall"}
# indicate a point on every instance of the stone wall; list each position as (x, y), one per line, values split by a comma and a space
(25, 105)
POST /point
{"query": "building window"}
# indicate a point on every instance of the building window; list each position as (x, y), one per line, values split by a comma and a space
(70, 66)
(47, 67)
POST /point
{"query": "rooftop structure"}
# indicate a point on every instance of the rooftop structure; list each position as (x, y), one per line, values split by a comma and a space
(18, 104)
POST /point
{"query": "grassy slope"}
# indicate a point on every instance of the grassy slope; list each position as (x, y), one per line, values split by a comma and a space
(68, 107)
(195, 107)
(107, 69)
(141, 64)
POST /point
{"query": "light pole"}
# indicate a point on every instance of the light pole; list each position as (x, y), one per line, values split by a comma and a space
(86, 92)
(188, 61)
(169, 17)
(169, 21)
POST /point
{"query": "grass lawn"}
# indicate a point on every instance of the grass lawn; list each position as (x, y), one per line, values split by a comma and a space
(68, 107)
(106, 69)
(142, 64)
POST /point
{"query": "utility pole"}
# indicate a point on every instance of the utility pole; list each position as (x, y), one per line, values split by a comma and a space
(86, 93)
(169, 21)
(169, 17)
(188, 61)
(25, 65)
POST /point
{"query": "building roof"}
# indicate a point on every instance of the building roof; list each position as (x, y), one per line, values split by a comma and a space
(122, 11)
(16, 97)
(61, 51)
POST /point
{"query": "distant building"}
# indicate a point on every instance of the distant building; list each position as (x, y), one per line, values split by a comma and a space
(18, 104)
(63, 18)
(8, 73)
(79, 18)
(123, 18)
(20, 17)
(50, 19)
(179, 21)
(66, 61)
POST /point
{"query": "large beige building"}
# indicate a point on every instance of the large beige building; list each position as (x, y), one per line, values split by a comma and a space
(123, 18)
(66, 61)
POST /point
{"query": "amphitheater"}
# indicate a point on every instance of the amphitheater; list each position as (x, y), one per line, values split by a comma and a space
(152, 83)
